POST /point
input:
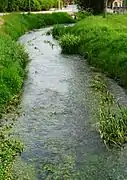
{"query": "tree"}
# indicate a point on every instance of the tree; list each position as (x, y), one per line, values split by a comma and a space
(97, 6)
(3, 5)
(27, 5)
(105, 8)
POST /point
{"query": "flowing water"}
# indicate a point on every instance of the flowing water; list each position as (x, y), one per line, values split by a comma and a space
(57, 124)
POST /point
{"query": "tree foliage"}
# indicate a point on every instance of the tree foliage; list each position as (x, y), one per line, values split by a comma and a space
(97, 6)
(23, 5)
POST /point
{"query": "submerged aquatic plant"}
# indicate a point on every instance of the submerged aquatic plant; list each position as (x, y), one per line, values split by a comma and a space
(9, 148)
(64, 170)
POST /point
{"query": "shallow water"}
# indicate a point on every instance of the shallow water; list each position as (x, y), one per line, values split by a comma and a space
(57, 124)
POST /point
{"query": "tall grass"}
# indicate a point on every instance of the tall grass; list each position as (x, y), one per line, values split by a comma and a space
(113, 117)
(58, 31)
(17, 24)
(13, 59)
(70, 43)
(105, 41)
(12, 55)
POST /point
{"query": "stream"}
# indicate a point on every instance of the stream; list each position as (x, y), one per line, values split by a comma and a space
(58, 117)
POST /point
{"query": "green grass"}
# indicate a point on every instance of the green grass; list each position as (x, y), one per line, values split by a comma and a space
(58, 31)
(9, 148)
(13, 60)
(12, 63)
(112, 116)
(16, 24)
(70, 43)
(105, 41)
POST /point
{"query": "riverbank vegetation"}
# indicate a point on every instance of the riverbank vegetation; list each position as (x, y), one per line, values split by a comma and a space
(112, 116)
(103, 42)
(13, 60)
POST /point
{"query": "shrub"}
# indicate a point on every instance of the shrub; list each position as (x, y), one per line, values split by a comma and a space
(70, 43)
(96, 6)
(82, 15)
(23, 5)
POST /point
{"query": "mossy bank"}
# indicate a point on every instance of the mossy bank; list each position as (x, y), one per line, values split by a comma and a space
(13, 60)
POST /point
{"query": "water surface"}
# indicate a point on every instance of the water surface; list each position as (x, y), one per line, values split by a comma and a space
(57, 124)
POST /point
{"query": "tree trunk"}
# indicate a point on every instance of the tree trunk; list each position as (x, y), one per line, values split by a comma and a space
(29, 6)
(59, 4)
(125, 5)
(105, 8)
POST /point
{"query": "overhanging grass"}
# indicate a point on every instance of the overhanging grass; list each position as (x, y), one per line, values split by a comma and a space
(105, 40)
(17, 24)
(112, 116)
(13, 59)
(12, 55)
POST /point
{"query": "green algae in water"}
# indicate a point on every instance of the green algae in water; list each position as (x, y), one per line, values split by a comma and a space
(60, 170)
(23, 171)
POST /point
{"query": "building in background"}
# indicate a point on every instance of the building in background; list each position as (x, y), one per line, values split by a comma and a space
(115, 3)
(68, 2)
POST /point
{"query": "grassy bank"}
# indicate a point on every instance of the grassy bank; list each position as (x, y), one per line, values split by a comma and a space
(112, 116)
(13, 59)
(103, 42)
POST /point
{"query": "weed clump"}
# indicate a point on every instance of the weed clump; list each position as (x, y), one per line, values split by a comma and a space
(113, 118)
(82, 15)
(70, 43)
(58, 31)
(9, 148)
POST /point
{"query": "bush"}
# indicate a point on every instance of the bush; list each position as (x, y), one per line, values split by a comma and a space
(70, 43)
(23, 5)
(96, 6)
(82, 15)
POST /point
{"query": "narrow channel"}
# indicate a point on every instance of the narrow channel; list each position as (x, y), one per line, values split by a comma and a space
(57, 124)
